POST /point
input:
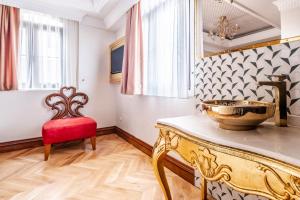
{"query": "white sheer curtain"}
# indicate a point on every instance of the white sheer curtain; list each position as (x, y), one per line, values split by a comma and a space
(166, 32)
(48, 51)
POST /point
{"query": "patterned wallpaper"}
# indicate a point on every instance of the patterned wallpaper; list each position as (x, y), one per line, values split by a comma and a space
(222, 192)
(235, 76)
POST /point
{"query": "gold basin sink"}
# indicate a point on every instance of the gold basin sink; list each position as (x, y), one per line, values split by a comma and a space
(238, 115)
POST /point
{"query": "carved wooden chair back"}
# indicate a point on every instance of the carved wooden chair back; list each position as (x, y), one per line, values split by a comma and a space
(66, 103)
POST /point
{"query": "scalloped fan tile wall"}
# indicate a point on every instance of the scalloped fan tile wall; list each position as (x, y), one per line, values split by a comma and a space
(235, 75)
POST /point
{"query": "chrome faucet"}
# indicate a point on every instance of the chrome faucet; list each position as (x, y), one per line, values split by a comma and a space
(279, 85)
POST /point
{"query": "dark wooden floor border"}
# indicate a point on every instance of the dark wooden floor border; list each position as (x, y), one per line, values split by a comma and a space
(38, 141)
(20, 144)
(106, 130)
(179, 168)
(184, 171)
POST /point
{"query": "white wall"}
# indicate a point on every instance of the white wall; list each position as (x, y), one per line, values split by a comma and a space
(94, 74)
(138, 114)
(22, 113)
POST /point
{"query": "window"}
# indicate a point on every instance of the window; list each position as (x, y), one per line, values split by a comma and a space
(167, 49)
(44, 52)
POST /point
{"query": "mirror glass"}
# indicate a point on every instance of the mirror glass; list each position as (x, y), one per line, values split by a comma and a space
(230, 25)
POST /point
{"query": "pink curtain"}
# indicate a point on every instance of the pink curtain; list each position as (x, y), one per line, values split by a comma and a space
(132, 71)
(9, 39)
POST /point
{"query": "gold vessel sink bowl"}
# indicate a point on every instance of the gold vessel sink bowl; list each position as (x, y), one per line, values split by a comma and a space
(238, 115)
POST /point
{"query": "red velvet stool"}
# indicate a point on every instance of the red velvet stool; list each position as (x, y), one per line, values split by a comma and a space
(68, 123)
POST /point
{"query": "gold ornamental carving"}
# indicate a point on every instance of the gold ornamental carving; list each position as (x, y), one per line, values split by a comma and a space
(167, 141)
(243, 171)
(296, 184)
(172, 140)
(291, 190)
(208, 167)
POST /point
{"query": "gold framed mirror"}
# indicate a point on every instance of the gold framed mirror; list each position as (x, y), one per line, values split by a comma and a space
(225, 26)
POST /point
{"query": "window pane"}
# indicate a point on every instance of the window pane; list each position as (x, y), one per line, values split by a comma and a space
(41, 51)
(166, 28)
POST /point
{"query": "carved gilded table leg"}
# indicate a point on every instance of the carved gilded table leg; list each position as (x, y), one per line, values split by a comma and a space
(203, 189)
(159, 153)
(170, 141)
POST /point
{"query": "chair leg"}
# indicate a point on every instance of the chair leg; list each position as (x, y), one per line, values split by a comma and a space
(93, 142)
(47, 151)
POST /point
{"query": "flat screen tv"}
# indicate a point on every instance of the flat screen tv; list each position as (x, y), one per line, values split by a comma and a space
(116, 60)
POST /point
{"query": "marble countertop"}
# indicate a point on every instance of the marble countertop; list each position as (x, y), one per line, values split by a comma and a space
(281, 143)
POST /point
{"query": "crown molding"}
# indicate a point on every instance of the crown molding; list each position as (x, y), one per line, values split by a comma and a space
(47, 8)
(285, 5)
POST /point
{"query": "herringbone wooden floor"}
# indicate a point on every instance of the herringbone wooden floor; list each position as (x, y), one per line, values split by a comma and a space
(115, 171)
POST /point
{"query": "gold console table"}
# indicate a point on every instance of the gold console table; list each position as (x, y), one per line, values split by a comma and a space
(264, 162)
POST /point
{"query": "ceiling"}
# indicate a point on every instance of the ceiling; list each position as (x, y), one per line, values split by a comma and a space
(100, 13)
(259, 19)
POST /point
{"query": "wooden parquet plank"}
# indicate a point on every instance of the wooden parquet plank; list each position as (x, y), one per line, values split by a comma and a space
(115, 171)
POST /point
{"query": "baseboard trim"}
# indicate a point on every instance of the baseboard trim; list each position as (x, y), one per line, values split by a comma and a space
(139, 144)
(38, 141)
(106, 130)
(184, 171)
(20, 144)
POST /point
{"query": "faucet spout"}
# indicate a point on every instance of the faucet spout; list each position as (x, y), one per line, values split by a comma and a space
(280, 99)
(267, 83)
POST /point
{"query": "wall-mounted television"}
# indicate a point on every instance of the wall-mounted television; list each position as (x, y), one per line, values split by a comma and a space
(116, 60)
